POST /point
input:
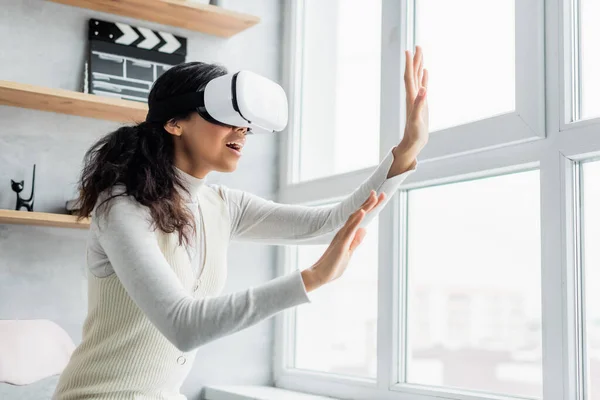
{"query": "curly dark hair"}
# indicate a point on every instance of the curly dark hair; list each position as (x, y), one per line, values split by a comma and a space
(141, 158)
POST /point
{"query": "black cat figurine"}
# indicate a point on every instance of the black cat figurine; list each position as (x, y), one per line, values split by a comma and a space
(18, 187)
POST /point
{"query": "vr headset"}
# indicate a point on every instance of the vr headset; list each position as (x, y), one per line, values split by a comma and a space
(241, 99)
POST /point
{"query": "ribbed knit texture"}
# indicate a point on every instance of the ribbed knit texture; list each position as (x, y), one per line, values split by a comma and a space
(122, 355)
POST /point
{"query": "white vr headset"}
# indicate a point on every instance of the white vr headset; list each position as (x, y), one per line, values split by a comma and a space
(240, 99)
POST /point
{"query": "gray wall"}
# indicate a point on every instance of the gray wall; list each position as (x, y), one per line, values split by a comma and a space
(42, 269)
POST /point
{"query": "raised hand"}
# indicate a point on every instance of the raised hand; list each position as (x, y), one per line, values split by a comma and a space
(416, 79)
(334, 260)
(416, 131)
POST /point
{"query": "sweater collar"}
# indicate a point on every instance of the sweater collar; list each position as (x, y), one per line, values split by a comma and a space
(191, 183)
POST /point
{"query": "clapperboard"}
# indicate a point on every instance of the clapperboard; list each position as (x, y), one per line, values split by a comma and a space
(125, 60)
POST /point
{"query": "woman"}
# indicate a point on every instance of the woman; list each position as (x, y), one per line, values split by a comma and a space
(157, 247)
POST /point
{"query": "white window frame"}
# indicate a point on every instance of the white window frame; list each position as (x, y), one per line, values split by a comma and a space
(523, 124)
(556, 152)
(569, 43)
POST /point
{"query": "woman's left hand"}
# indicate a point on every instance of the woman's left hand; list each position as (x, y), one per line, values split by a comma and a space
(416, 132)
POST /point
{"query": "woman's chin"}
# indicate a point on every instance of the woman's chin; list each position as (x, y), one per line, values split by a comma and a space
(227, 162)
(232, 168)
(228, 166)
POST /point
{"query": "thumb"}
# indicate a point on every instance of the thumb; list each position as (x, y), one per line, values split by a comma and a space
(419, 102)
(358, 238)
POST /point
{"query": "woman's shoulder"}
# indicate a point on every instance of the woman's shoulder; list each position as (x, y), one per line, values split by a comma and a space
(219, 189)
(115, 195)
(230, 196)
(116, 203)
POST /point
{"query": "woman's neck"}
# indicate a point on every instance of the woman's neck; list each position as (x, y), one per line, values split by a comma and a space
(191, 183)
(191, 169)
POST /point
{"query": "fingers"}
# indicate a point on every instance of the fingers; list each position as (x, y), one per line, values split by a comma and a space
(358, 238)
(415, 76)
(409, 76)
(370, 198)
(357, 217)
(418, 67)
(378, 200)
(353, 223)
(372, 201)
(354, 219)
(419, 103)
(425, 81)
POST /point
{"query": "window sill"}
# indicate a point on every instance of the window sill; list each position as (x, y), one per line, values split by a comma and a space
(255, 393)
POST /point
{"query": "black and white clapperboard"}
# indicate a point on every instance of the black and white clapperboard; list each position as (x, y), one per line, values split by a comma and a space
(125, 60)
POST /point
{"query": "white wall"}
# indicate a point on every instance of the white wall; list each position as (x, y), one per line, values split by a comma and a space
(42, 269)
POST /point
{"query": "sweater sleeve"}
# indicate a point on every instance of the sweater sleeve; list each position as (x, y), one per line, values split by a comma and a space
(259, 220)
(127, 238)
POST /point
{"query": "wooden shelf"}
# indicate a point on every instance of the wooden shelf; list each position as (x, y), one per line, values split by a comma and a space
(42, 219)
(187, 14)
(69, 102)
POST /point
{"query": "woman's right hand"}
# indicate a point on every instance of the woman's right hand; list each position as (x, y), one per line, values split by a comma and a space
(334, 261)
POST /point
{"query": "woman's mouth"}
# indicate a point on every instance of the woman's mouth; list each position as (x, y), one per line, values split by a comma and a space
(235, 147)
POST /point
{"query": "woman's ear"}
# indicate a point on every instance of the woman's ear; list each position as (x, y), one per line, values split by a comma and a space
(173, 127)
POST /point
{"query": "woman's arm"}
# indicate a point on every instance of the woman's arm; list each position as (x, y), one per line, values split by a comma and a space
(126, 237)
(256, 219)
(264, 221)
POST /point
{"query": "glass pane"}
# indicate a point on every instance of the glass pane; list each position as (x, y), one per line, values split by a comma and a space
(469, 48)
(474, 285)
(337, 331)
(339, 129)
(591, 237)
(590, 58)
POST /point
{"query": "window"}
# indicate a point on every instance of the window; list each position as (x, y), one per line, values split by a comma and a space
(590, 58)
(337, 331)
(474, 315)
(591, 274)
(486, 71)
(487, 47)
(487, 239)
(339, 95)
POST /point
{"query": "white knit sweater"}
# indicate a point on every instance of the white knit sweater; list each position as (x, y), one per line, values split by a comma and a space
(150, 303)
(122, 354)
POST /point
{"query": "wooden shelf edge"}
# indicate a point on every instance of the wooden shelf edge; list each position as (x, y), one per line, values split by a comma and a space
(42, 219)
(187, 14)
(64, 101)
